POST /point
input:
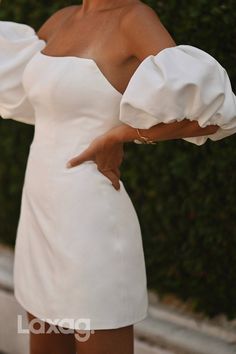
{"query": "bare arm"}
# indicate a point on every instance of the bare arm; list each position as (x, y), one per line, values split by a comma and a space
(162, 131)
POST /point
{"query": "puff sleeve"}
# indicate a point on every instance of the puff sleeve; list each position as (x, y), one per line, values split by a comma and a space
(180, 82)
(18, 44)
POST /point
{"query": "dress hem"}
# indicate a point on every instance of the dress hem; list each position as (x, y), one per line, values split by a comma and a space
(95, 324)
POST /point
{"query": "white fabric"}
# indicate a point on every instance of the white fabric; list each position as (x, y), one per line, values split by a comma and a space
(79, 252)
(180, 82)
(18, 44)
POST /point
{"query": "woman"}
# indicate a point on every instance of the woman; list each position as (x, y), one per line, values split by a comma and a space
(90, 80)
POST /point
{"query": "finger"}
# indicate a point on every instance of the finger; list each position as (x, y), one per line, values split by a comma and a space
(84, 156)
(113, 178)
(116, 171)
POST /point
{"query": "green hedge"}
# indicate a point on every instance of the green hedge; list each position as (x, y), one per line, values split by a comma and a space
(184, 194)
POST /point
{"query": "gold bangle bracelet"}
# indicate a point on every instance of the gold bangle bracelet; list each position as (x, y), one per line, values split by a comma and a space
(144, 140)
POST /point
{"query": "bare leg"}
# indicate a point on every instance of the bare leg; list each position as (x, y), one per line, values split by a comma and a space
(49, 343)
(106, 341)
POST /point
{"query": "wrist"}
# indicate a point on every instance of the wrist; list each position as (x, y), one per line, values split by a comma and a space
(123, 133)
(143, 139)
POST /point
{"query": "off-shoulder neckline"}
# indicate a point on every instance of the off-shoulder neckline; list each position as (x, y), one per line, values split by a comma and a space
(92, 61)
(83, 59)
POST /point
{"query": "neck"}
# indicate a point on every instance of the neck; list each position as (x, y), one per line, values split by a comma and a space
(99, 5)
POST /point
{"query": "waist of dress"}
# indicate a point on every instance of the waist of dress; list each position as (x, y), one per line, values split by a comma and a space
(46, 160)
(56, 132)
(54, 144)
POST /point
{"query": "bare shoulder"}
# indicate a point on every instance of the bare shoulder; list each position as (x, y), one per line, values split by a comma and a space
(139, 10)
(54, 20)
(144, 32)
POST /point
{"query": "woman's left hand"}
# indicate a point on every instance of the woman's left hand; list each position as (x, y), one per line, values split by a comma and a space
(107, 153)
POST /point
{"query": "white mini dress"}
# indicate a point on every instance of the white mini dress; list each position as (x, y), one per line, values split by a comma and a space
(79, 253)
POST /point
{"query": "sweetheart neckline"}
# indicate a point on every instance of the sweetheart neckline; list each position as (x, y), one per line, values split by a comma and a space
(88, 60)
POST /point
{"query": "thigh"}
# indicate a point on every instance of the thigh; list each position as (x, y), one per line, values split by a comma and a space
(49, 339)
(105, 341)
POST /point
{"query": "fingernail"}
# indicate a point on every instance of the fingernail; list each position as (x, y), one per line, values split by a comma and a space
(68, 165)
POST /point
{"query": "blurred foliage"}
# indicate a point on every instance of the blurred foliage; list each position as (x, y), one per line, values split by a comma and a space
(184, 194)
